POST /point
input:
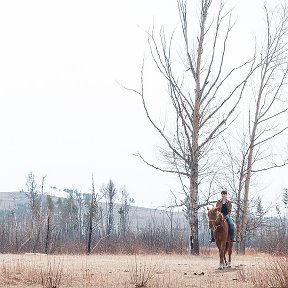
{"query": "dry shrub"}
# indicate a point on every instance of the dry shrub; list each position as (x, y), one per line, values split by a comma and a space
(205, 251)
(69, 248)
(51, 275)
(208, 251)
(141, 273)
(251, 251)
(275, 241)
(274, 273)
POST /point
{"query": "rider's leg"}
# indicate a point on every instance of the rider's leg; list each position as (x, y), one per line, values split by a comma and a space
(231, 228)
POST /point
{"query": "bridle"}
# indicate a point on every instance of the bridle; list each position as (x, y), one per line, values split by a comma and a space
(214, 227)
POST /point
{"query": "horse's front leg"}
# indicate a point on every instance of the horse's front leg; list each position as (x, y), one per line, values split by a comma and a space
(221, 249)
(225, 261)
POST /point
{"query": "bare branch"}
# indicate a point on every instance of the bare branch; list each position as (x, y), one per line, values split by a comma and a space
(160, 169)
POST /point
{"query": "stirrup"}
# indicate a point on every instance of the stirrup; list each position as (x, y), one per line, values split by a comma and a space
(212, 240)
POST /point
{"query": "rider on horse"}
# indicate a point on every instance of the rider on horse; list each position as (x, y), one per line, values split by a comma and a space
(225, 207)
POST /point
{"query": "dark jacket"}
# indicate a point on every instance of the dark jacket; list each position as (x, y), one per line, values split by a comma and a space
(229, 205)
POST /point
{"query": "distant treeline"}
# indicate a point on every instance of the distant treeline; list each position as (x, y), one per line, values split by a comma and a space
(89, 223)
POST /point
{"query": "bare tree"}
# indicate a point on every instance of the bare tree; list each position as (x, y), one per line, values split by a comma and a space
(124, 211)
(285, 197)
(200, 98)
(110, 192)
(35, 207)
(92, 213)
(268, 109)
(50, 209)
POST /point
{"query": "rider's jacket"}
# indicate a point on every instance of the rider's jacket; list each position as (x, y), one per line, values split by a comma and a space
(228, 203)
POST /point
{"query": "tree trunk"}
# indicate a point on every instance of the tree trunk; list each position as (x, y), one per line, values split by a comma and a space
(90, 233)
(247, 188)
(47, 234)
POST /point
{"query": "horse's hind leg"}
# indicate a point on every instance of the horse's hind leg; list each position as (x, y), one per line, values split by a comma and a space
(229, 253)
(226, 249)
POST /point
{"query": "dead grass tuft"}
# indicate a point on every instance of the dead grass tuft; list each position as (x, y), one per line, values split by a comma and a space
(274, 273)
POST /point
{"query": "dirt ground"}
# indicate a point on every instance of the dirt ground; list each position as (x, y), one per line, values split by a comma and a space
(39, 270)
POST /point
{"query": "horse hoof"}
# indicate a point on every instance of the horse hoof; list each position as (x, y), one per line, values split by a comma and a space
(221, 267)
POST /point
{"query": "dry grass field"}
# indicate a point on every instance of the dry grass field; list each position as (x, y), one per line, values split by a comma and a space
(159, 271)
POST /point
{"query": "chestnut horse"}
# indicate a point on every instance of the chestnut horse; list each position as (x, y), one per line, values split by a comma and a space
(220, 228)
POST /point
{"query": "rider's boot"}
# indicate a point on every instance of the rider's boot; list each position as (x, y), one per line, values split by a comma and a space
(212, 237)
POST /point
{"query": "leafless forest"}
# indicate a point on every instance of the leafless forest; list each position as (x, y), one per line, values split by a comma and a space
(34, 222)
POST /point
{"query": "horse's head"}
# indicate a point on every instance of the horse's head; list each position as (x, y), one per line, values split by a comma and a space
(213, 214)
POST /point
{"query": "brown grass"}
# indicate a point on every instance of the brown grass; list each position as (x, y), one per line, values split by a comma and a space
(126, 271)
(272, 273)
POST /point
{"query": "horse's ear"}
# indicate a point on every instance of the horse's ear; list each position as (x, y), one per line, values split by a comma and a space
(209, 207)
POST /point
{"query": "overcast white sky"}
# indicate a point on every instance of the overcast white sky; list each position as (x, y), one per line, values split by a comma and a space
(62, 113)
